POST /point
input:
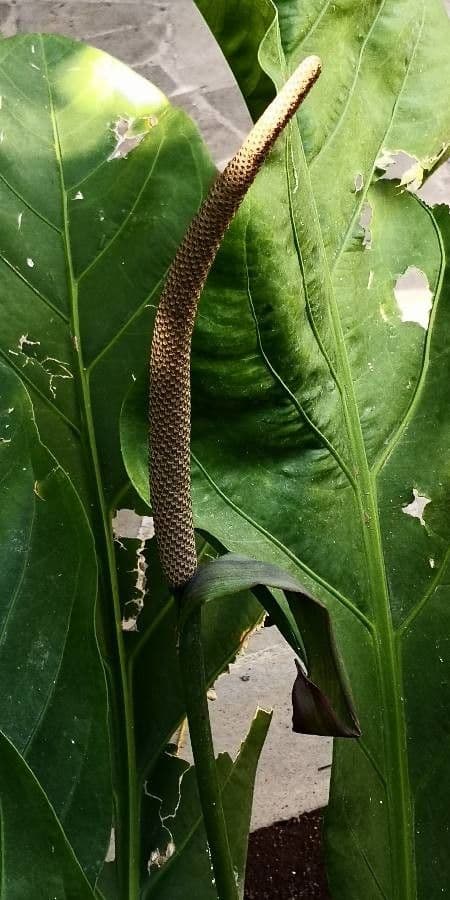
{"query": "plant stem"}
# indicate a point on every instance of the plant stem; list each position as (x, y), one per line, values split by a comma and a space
(192, 666)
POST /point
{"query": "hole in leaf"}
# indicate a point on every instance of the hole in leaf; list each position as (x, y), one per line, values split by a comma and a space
(365, 222)
(111, 852)
(413, 296)
(130, 132)
(436, 189)
(128, 525)
(26, 346)
(402, 167)
(417, 507)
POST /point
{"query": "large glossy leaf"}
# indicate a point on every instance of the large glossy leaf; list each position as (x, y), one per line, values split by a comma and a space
(53, 693)
(179, 861)
(99, 177)
(35, 858)
(317, 419)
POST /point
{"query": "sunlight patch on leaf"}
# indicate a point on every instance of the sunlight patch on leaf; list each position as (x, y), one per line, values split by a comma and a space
(110, 75)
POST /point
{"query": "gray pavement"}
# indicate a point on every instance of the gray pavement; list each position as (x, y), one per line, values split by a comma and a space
(294, 771)
(168, 43)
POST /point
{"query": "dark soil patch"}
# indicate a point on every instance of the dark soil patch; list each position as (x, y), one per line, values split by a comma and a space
(285, 861)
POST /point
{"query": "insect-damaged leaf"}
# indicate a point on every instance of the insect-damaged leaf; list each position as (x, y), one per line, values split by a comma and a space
(320, 412)
(179, 859)
(99, 177)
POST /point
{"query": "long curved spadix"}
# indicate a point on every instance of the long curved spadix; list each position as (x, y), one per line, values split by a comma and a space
(170, 396)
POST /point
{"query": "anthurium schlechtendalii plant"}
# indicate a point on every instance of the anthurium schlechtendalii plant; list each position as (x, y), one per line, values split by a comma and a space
(320, 426)
(170, 474)
(99, 180)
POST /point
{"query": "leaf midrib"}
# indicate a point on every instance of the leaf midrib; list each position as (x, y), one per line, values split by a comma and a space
(129, 817)
(384, 644)
(388, 664)
(405, 887)
(399, 810)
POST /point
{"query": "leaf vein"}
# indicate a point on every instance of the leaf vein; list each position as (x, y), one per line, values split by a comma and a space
(270, 537)
(35, 290)
(54, 682)
(290, 395)
(362, 195)
(340, 120)
(127, 218)
(29, 205)
(17, 589)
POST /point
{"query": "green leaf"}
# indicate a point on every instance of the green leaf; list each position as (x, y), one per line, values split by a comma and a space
(53, 697)
(87, 235)
(99, 177)
(239, 37)
(321, 701)
(153, 658)
(317, 411)
(35, 858)
(179, 860)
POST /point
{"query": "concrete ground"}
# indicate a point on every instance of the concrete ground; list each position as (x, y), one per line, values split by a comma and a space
(294, 771)
(168, 43)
